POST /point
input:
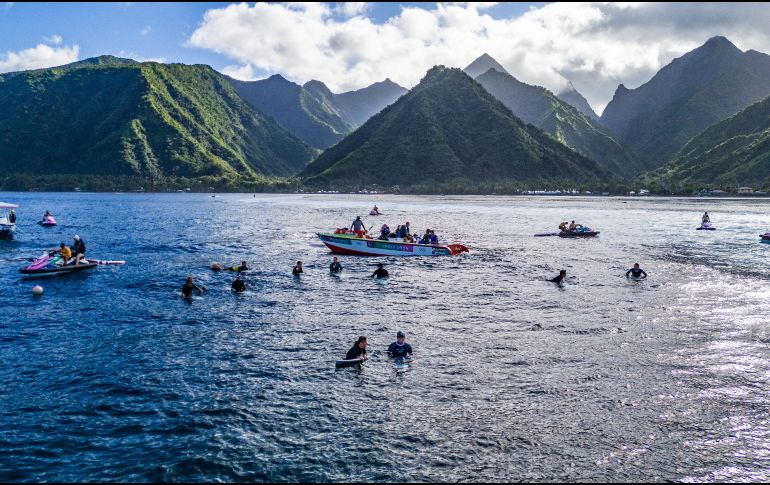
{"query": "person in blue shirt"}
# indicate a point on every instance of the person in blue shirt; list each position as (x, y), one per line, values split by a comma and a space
(400, 348)
(636, 272)
(433, 237)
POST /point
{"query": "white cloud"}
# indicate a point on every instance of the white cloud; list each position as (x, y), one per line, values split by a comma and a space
(596, 45)
(38, 57)
(351, 9)
(54, 39)
(146, 31)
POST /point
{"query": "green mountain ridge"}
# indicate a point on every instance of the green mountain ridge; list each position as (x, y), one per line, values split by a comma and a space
(449, 128)
(693, 92)
(116, 117)
(540, 107)
(731, 153)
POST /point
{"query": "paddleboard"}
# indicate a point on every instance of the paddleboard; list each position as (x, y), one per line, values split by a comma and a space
(348, 362)
(402, 364)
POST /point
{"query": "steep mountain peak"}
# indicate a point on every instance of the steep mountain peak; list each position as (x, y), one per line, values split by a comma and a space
(482, 64)
(719, 42)
(572, 96)
(318, 87)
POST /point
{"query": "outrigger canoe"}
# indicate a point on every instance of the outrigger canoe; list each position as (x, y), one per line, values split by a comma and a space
(364, 246)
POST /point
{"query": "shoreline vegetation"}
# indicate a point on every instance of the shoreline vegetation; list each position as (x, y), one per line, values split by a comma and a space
(108, 184)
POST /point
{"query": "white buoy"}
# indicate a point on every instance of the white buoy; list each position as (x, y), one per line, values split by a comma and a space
(37, 290)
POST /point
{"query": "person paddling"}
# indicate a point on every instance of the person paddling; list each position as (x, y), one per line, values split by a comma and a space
(380, 272)
(188, 287)
(399, 348)
(560, 278)
(636, 272)
(358, 351)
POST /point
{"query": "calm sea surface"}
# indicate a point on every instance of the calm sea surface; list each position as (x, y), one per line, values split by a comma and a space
(110, 376)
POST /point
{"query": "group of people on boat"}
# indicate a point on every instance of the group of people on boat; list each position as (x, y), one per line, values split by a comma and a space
(403, 233)
(396, 350)
(572, 227)
(76, 254)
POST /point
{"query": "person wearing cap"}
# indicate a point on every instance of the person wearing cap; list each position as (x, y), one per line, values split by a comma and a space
(380, 272)
(238, 284)
(335, 266)
(400, 348)
(78, 249)
(65, 253)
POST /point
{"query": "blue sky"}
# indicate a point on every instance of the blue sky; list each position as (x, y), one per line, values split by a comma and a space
(593, 45)
(121, 28)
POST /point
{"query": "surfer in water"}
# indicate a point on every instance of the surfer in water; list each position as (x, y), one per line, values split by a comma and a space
(380, 272)
(188, 287)
(636, 272)
(238, 284)
(335, 267)
(297, 270)
(400, 348)
(358, 351)
(560, 278)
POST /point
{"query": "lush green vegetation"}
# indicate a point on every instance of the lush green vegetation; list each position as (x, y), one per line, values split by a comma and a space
(693, 92)
(540, 107)
(147, 121)
(729, 154)
(446, 129)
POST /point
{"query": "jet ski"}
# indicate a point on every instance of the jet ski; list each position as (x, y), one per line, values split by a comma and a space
(50, 264)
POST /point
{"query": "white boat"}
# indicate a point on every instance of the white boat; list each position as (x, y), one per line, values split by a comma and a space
(350, 243)
(6, 226)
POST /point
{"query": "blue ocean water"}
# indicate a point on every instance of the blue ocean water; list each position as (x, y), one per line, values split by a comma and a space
(111, 376)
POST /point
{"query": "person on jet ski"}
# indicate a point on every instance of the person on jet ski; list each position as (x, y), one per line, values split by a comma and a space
(78, 249)
(705, 219)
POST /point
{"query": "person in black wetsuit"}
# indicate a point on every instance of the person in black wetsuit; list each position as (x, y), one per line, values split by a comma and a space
(560, 278)
(78, 249)
(238, 284)
(297, 270)
(380, 272)
(400, 348)
(335, 266)
(188, 287)
(358, 351)
(242, 267)
(636, 272)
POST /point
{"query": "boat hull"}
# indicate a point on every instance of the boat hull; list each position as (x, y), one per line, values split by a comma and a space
(50, 271)
(340, 244)
(6, 231)
(579, 234)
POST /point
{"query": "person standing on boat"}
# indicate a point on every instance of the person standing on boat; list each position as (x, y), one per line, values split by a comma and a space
(297, 270)
(78, 249)
(407, 229)
(12, 217)
(65, 254)
(358, 227)
(335, 267)
(399, 348)
(380, 272)
(358, 351)
(705, 219)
